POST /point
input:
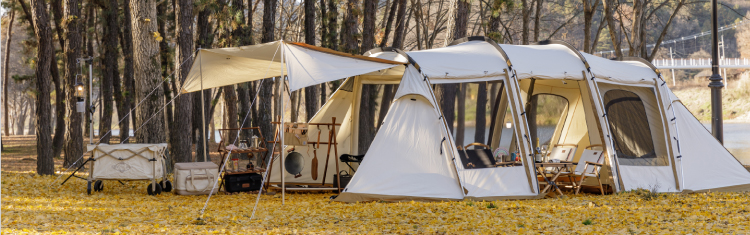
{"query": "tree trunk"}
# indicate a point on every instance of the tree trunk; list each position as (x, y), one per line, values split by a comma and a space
(5, 71)
(462, 21)
(398, 35)
(146, 60)
(230, 107)
(311, 92)
(183, 104)
(330, 23)
(111, 72)
(588, 15)
(367, 127)
(21, 119)
(332, 20)
(45, 164)
(323, 24)
(525, 11)
(123, 107)
(399, 9)
(461, 117)
(609, 14)
(205, 40)
(349, 30)
(493, 31)
(389, 22)
(74, 138)
(126, 41)
(57, 13)
(481, 118)
(266, 86)
(537, 18)
(166, 66)
(90, 54)
(32, 119)
(241, 38)
(59, 138)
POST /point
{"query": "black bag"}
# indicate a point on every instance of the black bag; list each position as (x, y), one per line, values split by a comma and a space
(242, 182)
(345, 178)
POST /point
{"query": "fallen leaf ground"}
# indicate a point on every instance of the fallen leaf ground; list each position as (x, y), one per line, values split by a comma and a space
(29, 205)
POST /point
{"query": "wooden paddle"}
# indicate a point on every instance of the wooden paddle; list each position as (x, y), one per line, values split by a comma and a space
(314, 164)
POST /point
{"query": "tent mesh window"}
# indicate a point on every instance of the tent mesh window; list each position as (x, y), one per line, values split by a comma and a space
(546, 112)
(629, 124)
(503, 135)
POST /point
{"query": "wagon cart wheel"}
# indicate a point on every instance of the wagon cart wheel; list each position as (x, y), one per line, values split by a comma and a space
(98, 186)
(88, 187)
(166, 186)
(151, 191)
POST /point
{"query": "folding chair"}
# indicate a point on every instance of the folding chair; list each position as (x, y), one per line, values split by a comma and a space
(476, 158)
(562, 152)
(589, 165)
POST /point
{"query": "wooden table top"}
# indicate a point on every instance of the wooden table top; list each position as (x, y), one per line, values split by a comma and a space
(256, 170)
(258, 150)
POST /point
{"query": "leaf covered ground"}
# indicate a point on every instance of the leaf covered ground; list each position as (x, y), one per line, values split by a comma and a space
(28, 205)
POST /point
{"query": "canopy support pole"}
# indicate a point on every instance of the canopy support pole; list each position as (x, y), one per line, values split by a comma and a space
(204, 138)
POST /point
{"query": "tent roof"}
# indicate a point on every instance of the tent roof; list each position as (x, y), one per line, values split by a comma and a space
(305, 64)
(551, 61)
(478, 60)
(629, 72)
(467, 62)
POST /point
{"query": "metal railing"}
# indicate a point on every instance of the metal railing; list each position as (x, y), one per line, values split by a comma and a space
(726, 63)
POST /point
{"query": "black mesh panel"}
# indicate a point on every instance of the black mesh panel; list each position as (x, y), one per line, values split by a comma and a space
(629, 125)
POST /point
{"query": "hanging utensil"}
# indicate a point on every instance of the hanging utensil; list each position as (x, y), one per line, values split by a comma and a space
(294, 164)
(314, 164)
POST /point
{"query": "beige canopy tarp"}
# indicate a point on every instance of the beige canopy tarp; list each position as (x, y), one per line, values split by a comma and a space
(305, 65)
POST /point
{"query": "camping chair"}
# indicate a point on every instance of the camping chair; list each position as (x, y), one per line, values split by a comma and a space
(348, 159)
(562, 152)
(476, 158)
(589, 165)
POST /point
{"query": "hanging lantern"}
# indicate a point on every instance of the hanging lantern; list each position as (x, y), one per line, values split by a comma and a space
(80, 95)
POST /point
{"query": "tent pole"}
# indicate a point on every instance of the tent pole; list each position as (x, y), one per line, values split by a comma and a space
(281, 126)
(203, 114)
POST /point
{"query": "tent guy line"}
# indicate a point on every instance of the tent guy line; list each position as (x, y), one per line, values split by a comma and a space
(126, 116)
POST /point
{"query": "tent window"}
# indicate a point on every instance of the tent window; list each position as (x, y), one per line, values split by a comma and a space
(545, 114)
(503, 140)
(629, 124)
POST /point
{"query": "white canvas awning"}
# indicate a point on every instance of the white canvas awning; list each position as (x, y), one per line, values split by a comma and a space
(305, 65)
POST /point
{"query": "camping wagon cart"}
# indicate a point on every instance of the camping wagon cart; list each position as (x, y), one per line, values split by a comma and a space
(128, 162)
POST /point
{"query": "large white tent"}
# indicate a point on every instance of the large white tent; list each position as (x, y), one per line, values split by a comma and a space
(697, 163)
(414, 157)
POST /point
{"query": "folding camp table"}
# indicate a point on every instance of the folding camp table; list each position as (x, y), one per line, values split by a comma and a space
(127, 162)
